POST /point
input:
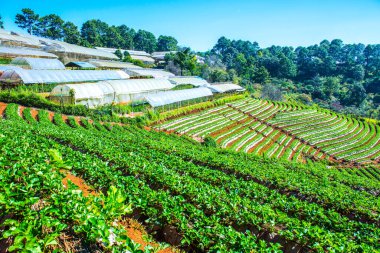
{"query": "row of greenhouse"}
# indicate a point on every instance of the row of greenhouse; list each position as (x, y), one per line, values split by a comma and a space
(94, 76)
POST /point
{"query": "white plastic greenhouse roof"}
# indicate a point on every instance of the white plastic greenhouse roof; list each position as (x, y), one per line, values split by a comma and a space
(60, 76)
(112, 64)
(132, 86)
(38, 63)
(225, 87)
(135, 52)
(170, 97)
(143, 58)
(7, 36)
(11, 51)
(193, 80)
(63, 47)
(155, 73)
(83, 90)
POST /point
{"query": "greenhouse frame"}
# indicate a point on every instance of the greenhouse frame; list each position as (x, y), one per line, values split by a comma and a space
(101, 64)
(155, 73)
(172, 97)
(12, 52)
(38, 63)
(225, 87)
(107, 92)
(80, 65)
(193, 80)
(22, 76)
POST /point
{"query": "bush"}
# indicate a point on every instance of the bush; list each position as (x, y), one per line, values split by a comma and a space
(210, 142)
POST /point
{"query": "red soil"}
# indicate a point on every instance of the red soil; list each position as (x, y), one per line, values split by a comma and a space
(3, 106)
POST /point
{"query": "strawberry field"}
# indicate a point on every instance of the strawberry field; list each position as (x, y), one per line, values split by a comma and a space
(283, 130)
(200, 199)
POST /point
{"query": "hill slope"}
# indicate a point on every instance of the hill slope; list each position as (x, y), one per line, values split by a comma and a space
(201, 199)
(284, 130)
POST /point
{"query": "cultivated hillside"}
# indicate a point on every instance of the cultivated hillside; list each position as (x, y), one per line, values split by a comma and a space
(201, 199)
(284, 130)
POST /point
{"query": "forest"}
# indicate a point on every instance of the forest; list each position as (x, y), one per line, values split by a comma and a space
(342, 77)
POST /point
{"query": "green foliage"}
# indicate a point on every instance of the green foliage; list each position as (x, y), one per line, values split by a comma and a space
(167, 43)
(208, 141)
(27, 19)
(50, 26)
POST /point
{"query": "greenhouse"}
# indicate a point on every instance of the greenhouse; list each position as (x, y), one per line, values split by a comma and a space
(112, 64)
(107, 92)
(177, 96)
(193, 80)
(134, 90)
(38, 63)
(10, 39)
(225, 87)
(12, 52)
(155, 73)
(88, 94)
(80, 65)
(22, 76)
(69, 52)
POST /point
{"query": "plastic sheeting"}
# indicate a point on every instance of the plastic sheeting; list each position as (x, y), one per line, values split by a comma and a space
(106, 92)
(60, 76)
(136, 89)
(170, 97)
(38, 63)
(155, 73)
(63, 47)
(146, 59)
(225, 87)
(15, 39)
(112, 64)
(80, 64)
(14, 51)
(193, 80)
(89, 94)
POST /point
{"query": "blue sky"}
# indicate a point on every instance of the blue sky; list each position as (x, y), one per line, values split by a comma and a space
(199, 23)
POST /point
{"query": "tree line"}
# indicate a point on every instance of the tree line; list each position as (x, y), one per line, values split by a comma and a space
(343, 77)
(93, 33)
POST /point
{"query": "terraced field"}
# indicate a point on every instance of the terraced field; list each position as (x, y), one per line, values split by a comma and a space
(200, 199)
(283, 130)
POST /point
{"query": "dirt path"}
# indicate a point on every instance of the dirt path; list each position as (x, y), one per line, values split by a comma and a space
(134, 229)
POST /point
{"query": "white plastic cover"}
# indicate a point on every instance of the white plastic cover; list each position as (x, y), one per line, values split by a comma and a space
(60, 76)
(8, 37)
(225, 87)
(38, 63)
(11, 51)
(112, 64)
(63, 47)
(170, 97)
(89, 94)
(106, 92)
(193, 80)
(155, 73)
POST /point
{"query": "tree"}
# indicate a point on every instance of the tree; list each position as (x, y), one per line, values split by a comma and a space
(261, 75)
(1, 22)
(167, 43)
(94, 32)
(181, 59)
(71, 33)
(127, 34)
(119, 54)
(27, 20)
(355, 95)
(145, 41)
(50, 26)
(113, 38)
